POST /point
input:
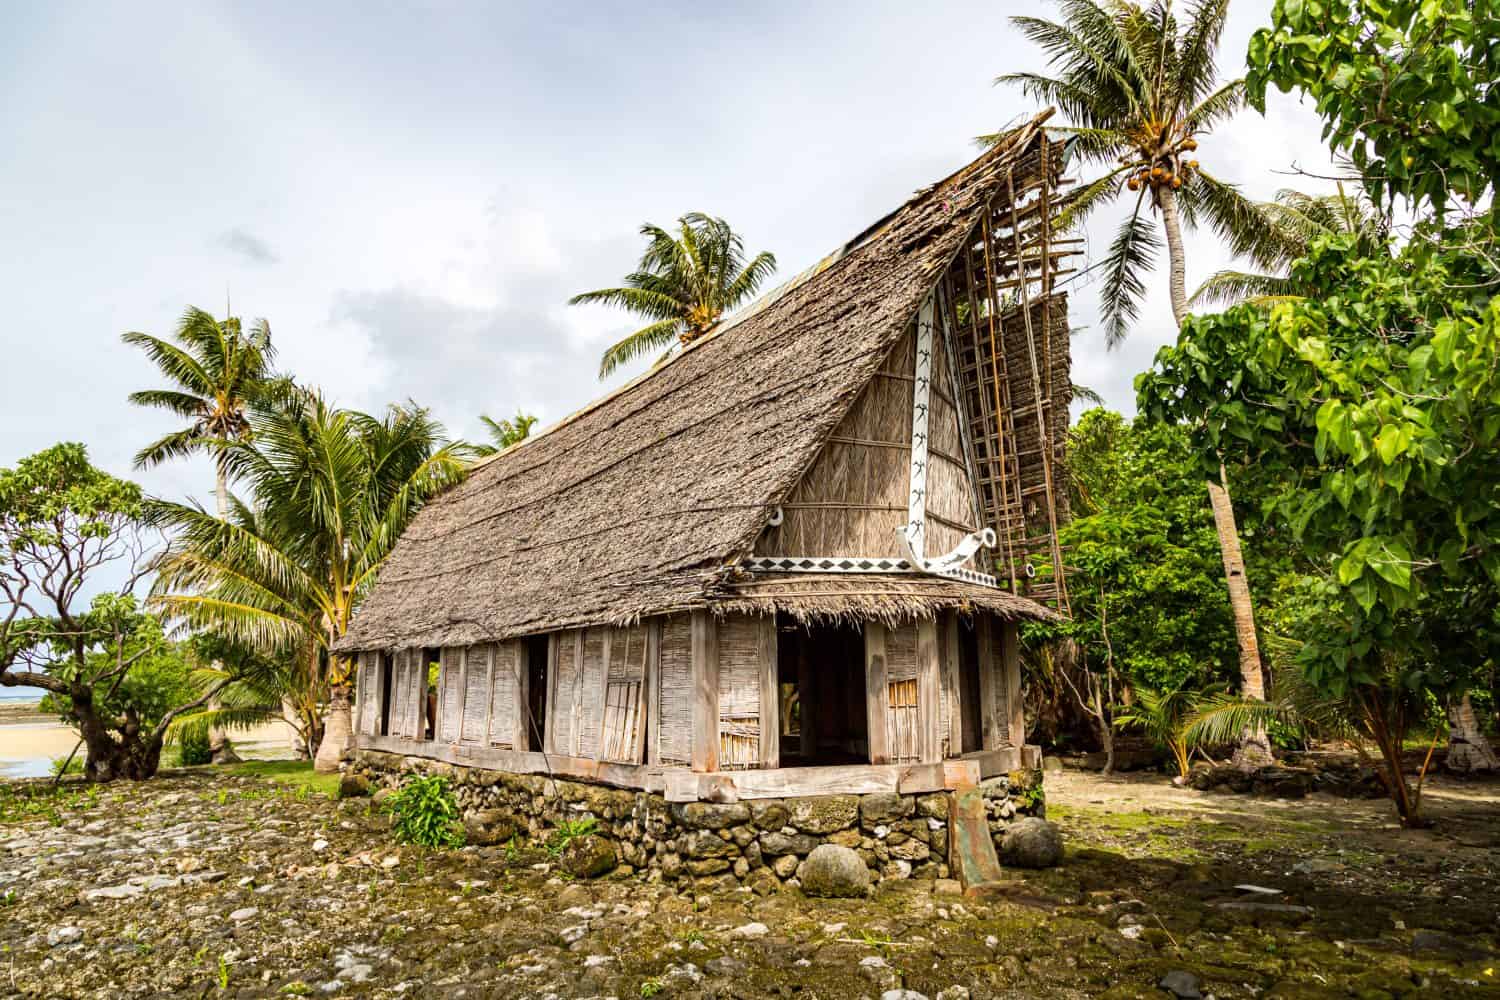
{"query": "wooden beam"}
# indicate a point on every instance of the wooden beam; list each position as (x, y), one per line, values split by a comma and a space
(952, 686)
(1010, 667)
(770, 693)
(648, 750)
(784, 782)
(929, 693)
(520, 666)
(876, 693)
(601, 694)
(991, 722)
(993, 762)
(463, 692)
(575, 725)
(705, 667)
(491, 651)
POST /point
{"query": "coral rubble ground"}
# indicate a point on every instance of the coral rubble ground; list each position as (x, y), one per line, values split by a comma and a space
(235, 885)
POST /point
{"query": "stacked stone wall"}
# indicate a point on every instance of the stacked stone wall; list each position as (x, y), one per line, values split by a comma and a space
(761, 842)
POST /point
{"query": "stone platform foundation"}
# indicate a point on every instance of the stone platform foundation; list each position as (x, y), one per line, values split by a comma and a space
(760, 841)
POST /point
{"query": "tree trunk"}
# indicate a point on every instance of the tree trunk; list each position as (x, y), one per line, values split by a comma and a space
(221, 750)
(1255, 748)
(1469, 752)
(132, 756)
(338, 730)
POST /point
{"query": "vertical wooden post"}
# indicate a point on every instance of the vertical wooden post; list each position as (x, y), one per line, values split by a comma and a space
(705, 636)
(516, 652)
(1010, 666)
(991, 719)
(877, 694)
(601, 695)
(463, 693)
(952, 685)
(575, 728)
(807, 700)
(491, 651)
(419, 684)
(929, 693)
(549, 731)
(647, 749)
(770, 693)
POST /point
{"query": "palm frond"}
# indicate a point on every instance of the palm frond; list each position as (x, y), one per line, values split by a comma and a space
(1131, 254)
(1238, 222)
(1228, 287)
(646, 340)
(1078, 206)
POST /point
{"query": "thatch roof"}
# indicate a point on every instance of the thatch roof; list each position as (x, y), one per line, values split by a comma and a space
(636, 504)
(816, 599)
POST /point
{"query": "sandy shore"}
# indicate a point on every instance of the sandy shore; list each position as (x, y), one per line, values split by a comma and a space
(30, 740)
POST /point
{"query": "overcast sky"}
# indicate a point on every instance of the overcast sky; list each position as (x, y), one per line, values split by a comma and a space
(410, 193)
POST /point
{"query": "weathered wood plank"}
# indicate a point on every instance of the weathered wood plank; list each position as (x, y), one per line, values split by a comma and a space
(876, 694)
(1015, 705)
(647, 750)
(705, 639)
(992, 762)
(859, 779)
(929, 693)
(952, 686)
(491, 652)
(992, 724)
(770, 694)
(515, 657)
(549, 736)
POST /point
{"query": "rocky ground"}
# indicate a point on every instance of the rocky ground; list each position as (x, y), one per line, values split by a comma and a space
(215, 885)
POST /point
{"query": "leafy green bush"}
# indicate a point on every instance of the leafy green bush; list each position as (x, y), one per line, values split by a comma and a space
(66, 765)
(193, 749)
(568, 831)
(426, 813)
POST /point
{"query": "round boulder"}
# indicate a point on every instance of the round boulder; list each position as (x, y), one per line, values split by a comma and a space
(1031, 843)
(588, 856)
(834, 872)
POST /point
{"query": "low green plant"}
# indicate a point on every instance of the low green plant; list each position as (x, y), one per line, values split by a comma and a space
(569, 830)
(426, 813)
(651, 987)
(223, 973)
(193, 749)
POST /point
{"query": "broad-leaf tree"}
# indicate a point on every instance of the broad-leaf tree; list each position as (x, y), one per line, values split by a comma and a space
(1373, 407)
(67, 529)
(1406, 89)
(684, 284)
(1140, 89)
(331, 490)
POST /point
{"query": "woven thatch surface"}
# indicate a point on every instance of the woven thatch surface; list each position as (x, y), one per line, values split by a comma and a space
(815, 598)
(634, 505)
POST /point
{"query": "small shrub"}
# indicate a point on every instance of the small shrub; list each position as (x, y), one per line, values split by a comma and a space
(66, 765)
(427, 813)
(568, 831)
(651, 987)
(193, 749)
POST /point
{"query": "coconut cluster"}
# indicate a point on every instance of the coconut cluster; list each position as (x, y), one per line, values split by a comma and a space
(1169, 170)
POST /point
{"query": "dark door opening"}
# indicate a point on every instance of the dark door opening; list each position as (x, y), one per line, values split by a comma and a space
(536, 692)
(968, 686)
(821, 676)
(432, 672)
(387, 678)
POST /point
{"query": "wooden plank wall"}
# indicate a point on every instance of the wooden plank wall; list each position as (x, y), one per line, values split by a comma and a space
(951, 499)
(674, 701)
(742, 648)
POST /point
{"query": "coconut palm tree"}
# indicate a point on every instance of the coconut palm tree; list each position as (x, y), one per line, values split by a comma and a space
(1141, 88)
(684, 285)
(216, 375)
(1299, 218)
(332, 491)
(504, 433)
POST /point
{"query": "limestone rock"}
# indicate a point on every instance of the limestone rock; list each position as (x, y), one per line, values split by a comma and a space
(823, 813)
(784, 843)
(768, 814)
(704, 844)
(353, 785)
(488, 827)
(1183, 985)
(710, 815)
(1031, 843)
(833, 871)
(884, 808)
(588, 856)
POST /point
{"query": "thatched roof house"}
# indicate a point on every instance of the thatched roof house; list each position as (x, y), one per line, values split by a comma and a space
(850, 486)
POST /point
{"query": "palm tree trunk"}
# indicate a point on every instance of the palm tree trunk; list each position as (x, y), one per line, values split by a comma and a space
(1255, 748)
(220, 749)
(1469, 751)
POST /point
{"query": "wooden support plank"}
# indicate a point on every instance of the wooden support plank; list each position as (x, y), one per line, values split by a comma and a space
(1010, 668)
(705, 646)
(992, 723)
(993, 762)
(601, 693)
(952, 686)
(514, 656)
(876, 693)
(490, 652)
(549, 735)
(770, 693)
(463, 693)
(575, 729)
(649, 750)
(929, 693)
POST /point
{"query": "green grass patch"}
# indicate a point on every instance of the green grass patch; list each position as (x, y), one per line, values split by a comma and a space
(299, 774)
